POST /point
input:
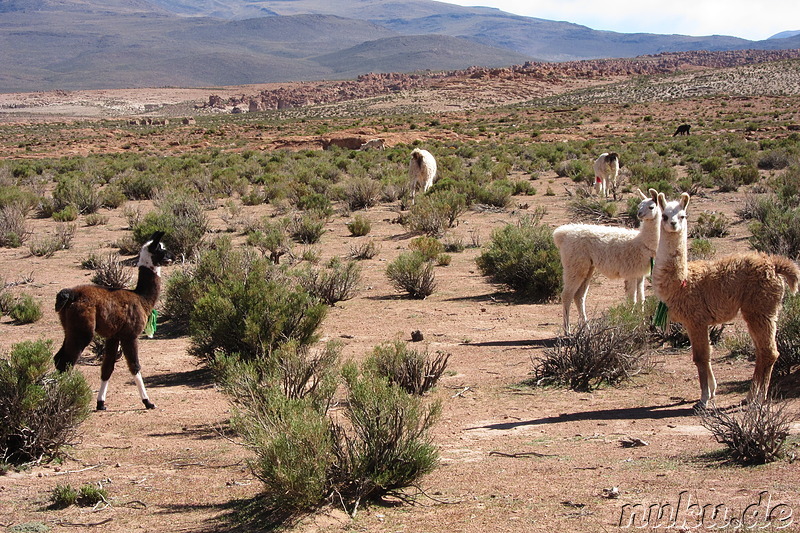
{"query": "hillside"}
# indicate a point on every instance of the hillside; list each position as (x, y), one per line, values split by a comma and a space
(71, 45)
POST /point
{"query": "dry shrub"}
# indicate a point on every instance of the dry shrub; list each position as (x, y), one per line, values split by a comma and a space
(414, 371)
(110, 272)
(413, 273)
(754, 435)
(598, 352)
(335, 282)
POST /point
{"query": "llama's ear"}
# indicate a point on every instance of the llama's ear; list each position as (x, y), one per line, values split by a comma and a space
(684, 200)
(157, 236)
(644, 197)
(653, 194)
(662, 200)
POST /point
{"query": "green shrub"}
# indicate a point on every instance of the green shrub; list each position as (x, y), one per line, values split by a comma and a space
(577, 170)
(389, 448)
(524, 258)
(77, 193)
(414, 371)
(63, 496)
(181, 217)
(96, 219)
(112, 197)
(359, 226)
(594, 209)
(68, 214)
(26, 310)
(40, 410)
(788, 337)
(91, 495)
(778, 232)
(251, 311)
(710, 225)
(429, 247)
(335, 282)
(701, 249)
(413, 273)
(308, 228)
(271, 238)
(436, 212)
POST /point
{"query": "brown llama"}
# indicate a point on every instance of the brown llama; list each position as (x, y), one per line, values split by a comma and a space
(703, 293)
(118, 315)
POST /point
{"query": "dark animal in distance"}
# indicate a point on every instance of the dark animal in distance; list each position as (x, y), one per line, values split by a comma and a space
(118, 315)
(683, 129)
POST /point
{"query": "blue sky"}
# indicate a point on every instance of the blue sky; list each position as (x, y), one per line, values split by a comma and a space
(740, 18)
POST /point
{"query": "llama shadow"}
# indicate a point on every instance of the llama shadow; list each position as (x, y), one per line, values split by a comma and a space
(491, 297)
(197, 432)
(244, 515)
(534, 343)
(199, 378)
(653, 412)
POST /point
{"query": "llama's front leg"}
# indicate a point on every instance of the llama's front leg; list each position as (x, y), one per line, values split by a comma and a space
(131, 350)
(701, 355)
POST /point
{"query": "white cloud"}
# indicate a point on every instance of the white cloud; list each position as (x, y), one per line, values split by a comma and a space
(740, 18)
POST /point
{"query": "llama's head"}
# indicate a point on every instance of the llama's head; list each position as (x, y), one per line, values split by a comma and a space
(416, 155)
(648, 207)
(153, 255)
(673, 214)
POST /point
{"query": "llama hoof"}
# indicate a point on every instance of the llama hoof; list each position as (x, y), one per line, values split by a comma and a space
(700, 407)
(101, 406)
(148, 404)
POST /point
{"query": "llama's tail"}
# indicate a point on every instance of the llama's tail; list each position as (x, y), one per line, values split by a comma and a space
(788, 269)
(64, 298)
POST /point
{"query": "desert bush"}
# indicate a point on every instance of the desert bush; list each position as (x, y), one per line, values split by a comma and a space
(271, 238)
(40, 410)
(359, 226)
(13, 227)
(593, 209)
(69, 213)
(78, 192)
(308, 228)
(788, 337)
(389, 448)
(95, 219)
(26, 310)
(429, 247)
(332, 283)
(709, 225)
(364, 250)
(755, 435)
(778, 232)
(112, 197)
(413, 273)
(774, 160)
(730, 179)
(46, 246)
(701, 249)
(361, 193)
(599, 352)
(496, 193)
(63, 496)
(251, 310)
(414, 371)
(315, 201)
(577, 170)
(524, 257)
(181, 217)
(436, 212)
(110, 272)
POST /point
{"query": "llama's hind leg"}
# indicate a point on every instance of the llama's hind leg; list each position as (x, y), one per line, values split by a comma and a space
(130, 348)
(762, 330)
(75, 342)
(580, 294)
(701, 355)
(110, 356)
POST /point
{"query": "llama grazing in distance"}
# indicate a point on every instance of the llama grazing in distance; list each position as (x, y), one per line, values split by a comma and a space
(614, 252)
(606, 170)
(421, 171)
(374, 144)
(118, 315)
(683, 129)
(699, 294)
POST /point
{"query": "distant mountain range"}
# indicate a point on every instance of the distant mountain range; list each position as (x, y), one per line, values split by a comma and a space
(97, 44)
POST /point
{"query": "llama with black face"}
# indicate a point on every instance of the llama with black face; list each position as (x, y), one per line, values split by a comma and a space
(118, 315)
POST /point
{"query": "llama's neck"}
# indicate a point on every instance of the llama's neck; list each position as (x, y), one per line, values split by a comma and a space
(649, 235)
(148, 286)
(671, 269)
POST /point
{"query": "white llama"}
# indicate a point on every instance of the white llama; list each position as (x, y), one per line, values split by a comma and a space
(612, 251)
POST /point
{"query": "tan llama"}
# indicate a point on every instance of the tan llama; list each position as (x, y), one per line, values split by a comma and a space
(702, 293)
